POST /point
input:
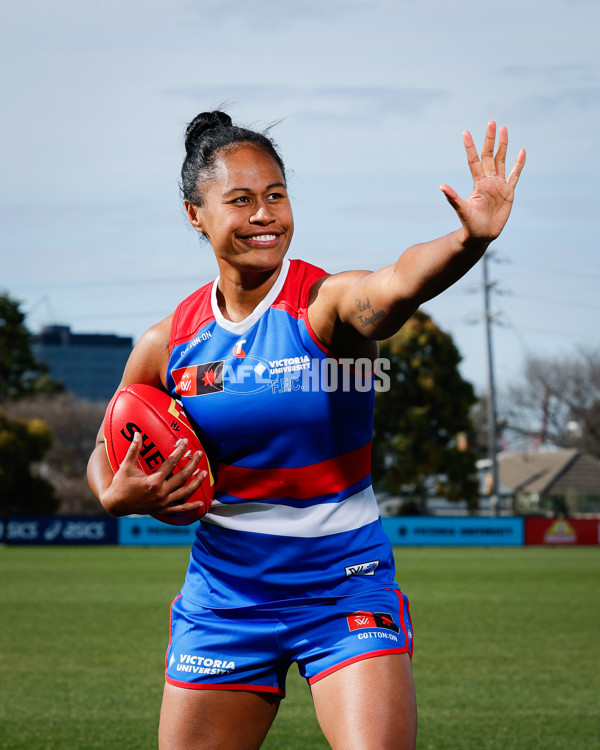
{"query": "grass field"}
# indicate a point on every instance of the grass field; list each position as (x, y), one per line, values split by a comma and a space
(506, 649)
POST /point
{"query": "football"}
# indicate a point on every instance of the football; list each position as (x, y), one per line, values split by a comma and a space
(162, 422)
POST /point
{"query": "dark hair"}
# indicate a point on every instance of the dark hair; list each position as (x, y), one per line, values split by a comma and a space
(207, 135)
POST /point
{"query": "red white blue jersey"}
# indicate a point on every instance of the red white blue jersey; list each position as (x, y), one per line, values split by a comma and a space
(288, 431)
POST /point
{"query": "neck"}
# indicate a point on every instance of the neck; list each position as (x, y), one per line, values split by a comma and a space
(238, 293)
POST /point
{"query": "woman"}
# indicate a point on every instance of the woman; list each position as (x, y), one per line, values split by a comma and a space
(290, 563)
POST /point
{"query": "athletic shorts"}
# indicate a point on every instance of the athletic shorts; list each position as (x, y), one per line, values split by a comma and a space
(248, 649)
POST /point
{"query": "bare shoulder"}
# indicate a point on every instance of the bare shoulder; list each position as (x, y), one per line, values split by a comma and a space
(329, 299)
(149, 358)
(329, 287)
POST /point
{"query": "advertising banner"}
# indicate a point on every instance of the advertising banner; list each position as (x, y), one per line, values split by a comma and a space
(148, 532)
(562, 531)
(58, 530)
(436, 531)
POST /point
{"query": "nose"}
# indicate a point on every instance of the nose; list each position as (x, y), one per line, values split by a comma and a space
(262, 215)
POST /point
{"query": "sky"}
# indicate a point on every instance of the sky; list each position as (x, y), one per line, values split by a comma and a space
(367, 100)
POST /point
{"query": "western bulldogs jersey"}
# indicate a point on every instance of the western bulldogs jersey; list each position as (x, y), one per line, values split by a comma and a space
(287, 429)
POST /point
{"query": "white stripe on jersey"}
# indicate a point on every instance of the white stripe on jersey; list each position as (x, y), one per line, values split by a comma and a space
(283, 520)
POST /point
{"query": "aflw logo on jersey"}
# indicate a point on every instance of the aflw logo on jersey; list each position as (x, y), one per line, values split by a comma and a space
(199, 379)
(362, 569)
(372, 620)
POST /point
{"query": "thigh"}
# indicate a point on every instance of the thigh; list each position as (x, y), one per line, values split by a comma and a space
(214, 719)
(368, 705)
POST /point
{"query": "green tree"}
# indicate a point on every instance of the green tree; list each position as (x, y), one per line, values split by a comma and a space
(74, 424)
(419, 421)
(20, 373)
(22, 491)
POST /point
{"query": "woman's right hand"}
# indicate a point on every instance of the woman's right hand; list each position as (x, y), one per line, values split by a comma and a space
(133, 492)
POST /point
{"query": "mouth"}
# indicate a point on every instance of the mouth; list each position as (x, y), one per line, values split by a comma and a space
(262, 240)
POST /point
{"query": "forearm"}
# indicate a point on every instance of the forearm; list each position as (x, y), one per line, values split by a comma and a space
(425, 270)
(100, 476)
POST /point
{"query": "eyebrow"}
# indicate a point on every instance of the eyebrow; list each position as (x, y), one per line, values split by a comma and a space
(248, 190)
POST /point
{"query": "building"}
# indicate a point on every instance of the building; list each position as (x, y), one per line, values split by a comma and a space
(89, 365)
(559, 481)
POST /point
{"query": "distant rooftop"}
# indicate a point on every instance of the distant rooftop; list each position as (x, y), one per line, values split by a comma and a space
(57, 335)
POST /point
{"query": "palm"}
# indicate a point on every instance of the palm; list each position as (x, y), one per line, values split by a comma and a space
(485, 212)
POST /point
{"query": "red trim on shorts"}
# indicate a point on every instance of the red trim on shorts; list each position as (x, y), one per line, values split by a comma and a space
(224, 686)
(170, 629)
(402, 623)
(360, 657)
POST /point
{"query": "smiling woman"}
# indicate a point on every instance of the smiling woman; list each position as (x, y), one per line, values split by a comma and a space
(290, 563)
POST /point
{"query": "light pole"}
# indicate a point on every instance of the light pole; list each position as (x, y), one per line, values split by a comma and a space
(491, 404)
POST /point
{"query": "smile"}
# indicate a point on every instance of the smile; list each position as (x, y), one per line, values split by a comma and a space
(262, 239)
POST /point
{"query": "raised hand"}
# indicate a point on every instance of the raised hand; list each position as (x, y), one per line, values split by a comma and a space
(485, 212)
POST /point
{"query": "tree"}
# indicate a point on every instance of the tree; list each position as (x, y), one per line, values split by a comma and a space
(557, 402)
(417, 449)
(20, 373)
(74, 423)
(22, 491)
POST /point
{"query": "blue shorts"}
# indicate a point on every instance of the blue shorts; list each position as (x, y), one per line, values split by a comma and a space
(253, 649)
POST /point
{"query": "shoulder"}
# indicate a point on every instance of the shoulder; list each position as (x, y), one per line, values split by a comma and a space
(295, 293)
(194, 312)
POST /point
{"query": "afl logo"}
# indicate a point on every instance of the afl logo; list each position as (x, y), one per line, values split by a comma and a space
(237, 349)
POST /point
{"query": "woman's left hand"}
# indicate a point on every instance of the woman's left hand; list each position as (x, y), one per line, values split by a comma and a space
(486, 211)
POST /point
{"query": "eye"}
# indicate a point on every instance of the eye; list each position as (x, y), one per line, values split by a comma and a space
(275, 196)
(241, 199)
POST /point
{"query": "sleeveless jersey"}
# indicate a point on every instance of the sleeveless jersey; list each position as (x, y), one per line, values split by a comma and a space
(287, 429)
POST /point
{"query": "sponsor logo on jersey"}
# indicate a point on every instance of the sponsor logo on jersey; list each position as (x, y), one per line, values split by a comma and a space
(199, 380)
(382, 620)
(237, 349)
(204, 336)
(362, 569)
(289, 364)
(241, 375)
(195, 664)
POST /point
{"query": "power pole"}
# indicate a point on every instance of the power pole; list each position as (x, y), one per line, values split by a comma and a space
(491, 404)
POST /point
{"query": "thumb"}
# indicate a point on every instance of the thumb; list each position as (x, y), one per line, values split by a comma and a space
(453, 199)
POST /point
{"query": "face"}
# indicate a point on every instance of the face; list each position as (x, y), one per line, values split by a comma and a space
(246, 213)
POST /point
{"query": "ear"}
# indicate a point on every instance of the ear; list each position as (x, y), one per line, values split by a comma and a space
(195, 215)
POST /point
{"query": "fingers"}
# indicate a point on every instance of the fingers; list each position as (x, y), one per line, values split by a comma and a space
(169, 464)
(472, 157)
(500, 160)
(487, 152)
(515, 172)
(133, 452)
(489, 165)
(180, 496)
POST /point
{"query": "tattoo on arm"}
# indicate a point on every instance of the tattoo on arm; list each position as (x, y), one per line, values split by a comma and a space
(364, 306)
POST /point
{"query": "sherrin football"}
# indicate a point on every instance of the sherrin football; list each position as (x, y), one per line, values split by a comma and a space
(162, 423)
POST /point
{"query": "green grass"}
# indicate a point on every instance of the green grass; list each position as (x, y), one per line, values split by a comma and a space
(506, 649)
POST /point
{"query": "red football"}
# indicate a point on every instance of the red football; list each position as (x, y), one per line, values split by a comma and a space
(162, 422)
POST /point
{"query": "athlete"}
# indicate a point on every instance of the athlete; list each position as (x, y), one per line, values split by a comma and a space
(290, 564)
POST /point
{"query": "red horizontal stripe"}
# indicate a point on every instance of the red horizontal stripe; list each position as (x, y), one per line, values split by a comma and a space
(326, 477)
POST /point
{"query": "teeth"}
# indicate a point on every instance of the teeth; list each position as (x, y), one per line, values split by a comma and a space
(263, 237)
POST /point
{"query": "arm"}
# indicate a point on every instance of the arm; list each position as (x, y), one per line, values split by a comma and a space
(375, 305)
(130, 490)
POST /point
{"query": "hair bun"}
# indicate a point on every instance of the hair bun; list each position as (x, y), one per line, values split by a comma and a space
(203, 122)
